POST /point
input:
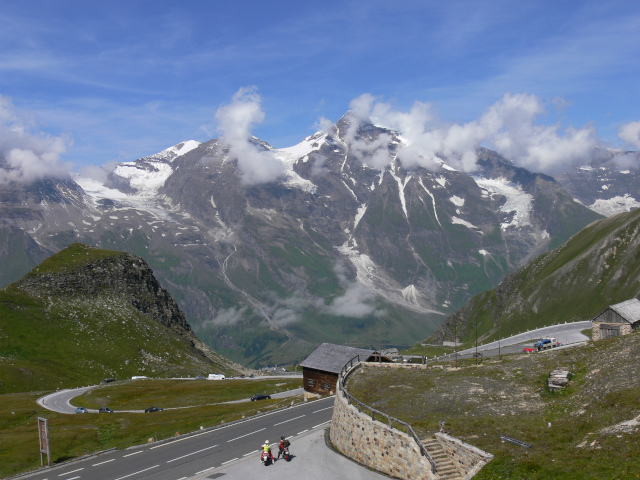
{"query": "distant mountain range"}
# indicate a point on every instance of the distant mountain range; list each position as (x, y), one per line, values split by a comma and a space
(86, 314)
(333, 250)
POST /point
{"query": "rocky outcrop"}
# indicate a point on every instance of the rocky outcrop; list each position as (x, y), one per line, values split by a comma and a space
(121, 274)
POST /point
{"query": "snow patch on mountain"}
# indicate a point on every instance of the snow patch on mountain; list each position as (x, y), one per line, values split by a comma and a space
(612, 206)
(401, 187)
(361, 211)
(518, 201)
(457, 201)
(300, 152)
(433, 200)
(410, 294)
(178, 150)
(459, 221)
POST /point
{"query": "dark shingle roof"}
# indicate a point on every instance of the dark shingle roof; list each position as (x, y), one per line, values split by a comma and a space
(331, 358)
(629, 310)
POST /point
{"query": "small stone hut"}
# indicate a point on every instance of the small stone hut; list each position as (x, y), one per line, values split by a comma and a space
(320, 370)
(616, 320)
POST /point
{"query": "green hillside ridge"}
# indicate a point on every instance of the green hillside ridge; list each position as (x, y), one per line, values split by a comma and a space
(85, 314)
(597, 267)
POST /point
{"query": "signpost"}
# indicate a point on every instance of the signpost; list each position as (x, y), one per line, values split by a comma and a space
(43, 434)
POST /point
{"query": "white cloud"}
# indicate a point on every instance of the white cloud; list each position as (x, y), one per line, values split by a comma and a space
(508, 126)
(27, 155)
(323, 124)
(227, 317)
(357, 300)
(235, 121)
(629, 133)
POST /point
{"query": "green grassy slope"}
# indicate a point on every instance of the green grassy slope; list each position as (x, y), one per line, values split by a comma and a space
(576, 433)
(53, 338)
(597, 267)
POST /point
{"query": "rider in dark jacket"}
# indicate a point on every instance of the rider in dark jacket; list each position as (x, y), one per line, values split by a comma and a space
(284, 443)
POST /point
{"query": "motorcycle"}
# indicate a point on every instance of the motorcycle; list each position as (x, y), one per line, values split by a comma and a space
(265, 458)
(285, 454)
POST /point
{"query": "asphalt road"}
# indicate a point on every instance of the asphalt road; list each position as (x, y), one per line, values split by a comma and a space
(60, 401)
(567, 333)
(200, 454)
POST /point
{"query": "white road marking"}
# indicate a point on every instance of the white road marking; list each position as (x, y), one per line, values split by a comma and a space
(290, 420)
(251, 453)
(323, 409)
(192, 453)
(72, 471)
(135, 473)
(238, 438)
(320, 424)
(107, 461)
(183, 478)
(300, 433)
(229, 461)
(74, 478)
(135, 453)
(202, 471)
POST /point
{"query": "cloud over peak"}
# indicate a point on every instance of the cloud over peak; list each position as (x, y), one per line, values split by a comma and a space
(235, 122)
(27, 155)
(508, 126)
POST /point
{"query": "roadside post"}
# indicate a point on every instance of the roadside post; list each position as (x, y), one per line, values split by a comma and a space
(43, 434)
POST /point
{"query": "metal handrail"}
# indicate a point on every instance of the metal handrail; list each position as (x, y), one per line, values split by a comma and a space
(344, 373)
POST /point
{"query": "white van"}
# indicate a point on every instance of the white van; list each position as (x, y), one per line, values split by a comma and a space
(215, 376)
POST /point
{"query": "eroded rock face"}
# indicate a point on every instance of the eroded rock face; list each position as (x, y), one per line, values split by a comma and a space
(122, 275)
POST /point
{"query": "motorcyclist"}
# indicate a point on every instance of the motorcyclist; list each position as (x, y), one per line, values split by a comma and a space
(266, 448)
(284, 443)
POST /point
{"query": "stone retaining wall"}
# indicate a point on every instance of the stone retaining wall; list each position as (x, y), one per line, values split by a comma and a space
(467, 458)
(375, 444)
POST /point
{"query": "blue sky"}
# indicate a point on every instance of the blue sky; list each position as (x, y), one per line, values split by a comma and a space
(114, 81)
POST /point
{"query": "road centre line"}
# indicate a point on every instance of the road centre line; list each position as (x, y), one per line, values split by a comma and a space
(135, 473)
(134, 453)
(229, 461)
(72, 471)
(322, 409)
(107, 461)
(238, 438)
(192, 453)
(303, 431)
(290, 420)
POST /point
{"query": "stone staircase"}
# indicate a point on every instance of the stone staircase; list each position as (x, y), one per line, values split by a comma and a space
(445, 468)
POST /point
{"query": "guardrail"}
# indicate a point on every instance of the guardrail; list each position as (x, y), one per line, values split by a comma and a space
(344, 373)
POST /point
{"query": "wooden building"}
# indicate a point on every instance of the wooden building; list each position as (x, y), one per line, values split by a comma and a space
(320, 370)
(616, 320)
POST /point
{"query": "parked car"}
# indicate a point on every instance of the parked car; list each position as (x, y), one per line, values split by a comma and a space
(152, 409)
(108, 380)
(81, 410)
(260, 396)
(105, 410)
(528, 349)
(200, 377)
